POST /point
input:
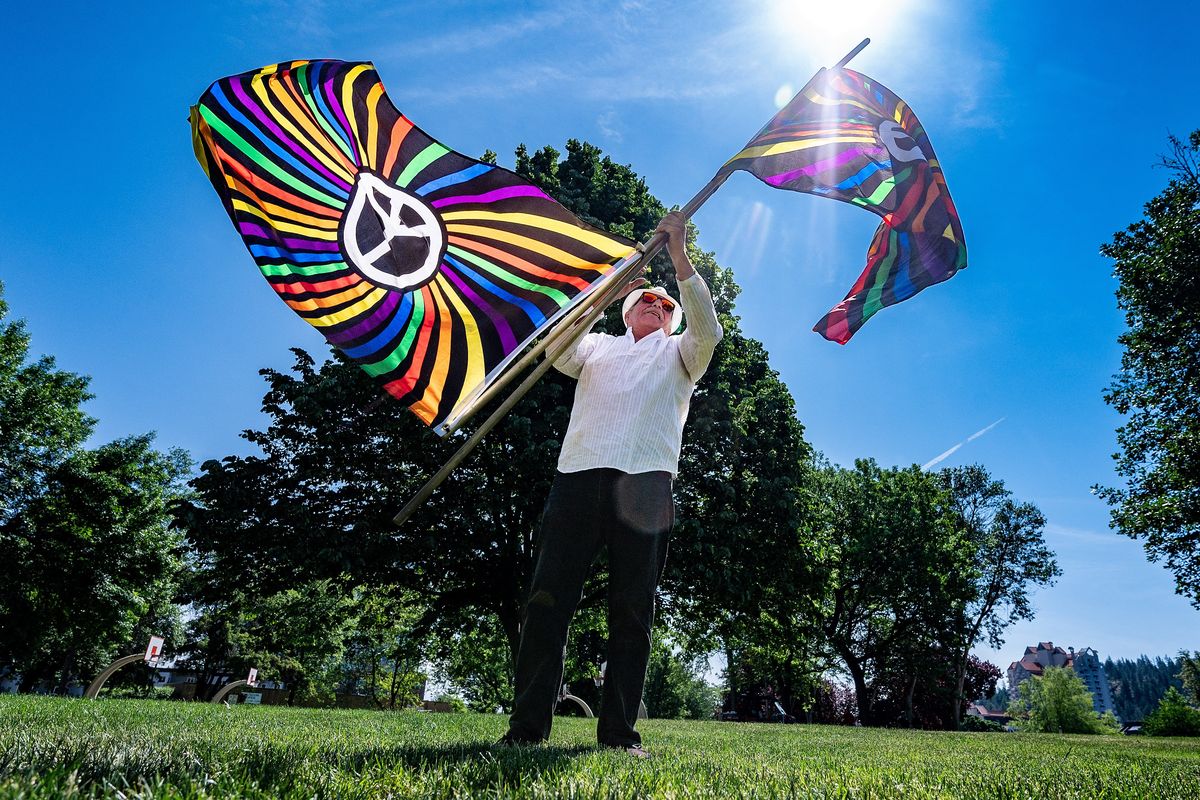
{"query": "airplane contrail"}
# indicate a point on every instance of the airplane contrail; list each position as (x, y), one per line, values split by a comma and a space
(939, 459)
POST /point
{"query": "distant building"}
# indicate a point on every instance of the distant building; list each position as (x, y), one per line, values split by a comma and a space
(1034, 662)
(1086, 664)
(983, 712)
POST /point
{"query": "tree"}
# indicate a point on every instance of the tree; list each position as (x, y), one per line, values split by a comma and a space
(675, 687)
(926, 697)
(41, 416)
(1010, 558)
(898, 566)
(1173, 717)
(742, 576)
(831, 704)
(1158, 386)
(382, 658)
(89, 563)
(1189, 674)
(472, 656)
(997, 702)
(1138, 685)
(92, 562)
(319, 638)
(335, 463)
(1058, 701)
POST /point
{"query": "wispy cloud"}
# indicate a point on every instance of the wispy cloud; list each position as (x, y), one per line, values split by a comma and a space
(312, 22)
(1083, 535)
(614, 52)
(486, 36)
(608, 124)
(940, 458)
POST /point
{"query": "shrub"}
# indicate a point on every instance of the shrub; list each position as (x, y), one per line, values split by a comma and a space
(456, 703)
(1173, 717)
(1058, 702)
(974, 724)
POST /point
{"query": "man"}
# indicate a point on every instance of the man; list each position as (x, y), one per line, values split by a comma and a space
(613, 490)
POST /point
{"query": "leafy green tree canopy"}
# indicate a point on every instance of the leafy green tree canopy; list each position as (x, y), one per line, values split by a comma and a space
(89, 561)
(1189, 674)
(1010, 558)
(335, 463)
(1158, 386)
(898, 568)
(41, 415)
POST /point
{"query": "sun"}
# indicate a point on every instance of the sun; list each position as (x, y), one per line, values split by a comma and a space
(807, 34)
(825, 30)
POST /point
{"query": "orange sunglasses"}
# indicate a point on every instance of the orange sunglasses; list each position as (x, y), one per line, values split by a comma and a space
(649, 298)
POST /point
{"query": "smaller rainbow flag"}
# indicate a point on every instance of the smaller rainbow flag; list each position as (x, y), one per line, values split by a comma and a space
(850, 138)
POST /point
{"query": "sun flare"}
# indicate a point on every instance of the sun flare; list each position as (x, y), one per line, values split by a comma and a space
(825, 30)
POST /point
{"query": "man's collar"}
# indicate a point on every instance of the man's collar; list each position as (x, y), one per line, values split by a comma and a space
(629, 333)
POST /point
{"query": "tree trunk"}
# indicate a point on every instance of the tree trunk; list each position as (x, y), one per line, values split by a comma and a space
(510, 621)
(392, 688)
(730, 678)
(862, 698)
(960, 680)
(65, 671)
(30, 678)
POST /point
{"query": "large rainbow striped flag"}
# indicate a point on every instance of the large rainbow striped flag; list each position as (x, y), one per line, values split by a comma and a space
(850, 138)
(428, 268)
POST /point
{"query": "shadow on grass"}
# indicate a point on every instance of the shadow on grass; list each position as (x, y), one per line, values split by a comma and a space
(283, 768)
(425, 756)
(472, 766)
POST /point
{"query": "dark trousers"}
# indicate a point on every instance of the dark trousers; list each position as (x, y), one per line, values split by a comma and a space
(631, 515)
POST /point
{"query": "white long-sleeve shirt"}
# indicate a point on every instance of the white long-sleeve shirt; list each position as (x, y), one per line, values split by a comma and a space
(632, 399)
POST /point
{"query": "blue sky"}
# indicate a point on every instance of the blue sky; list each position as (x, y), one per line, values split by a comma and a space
(1047, 119)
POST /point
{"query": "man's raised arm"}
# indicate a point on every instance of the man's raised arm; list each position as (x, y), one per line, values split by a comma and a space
(703, 328)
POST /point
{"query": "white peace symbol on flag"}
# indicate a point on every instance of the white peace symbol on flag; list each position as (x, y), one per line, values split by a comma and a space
(383, 258)
(891, 134)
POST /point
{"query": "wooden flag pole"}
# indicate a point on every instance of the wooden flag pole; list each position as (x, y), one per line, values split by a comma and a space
(557, 341)
(857, 49)
(567, 325)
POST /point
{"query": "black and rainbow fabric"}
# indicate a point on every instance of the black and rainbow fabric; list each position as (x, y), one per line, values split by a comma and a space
(428, 268)
(850, 138)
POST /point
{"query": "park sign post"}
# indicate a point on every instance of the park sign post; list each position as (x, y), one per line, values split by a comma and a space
(252, 678)
(154, 649)
(153, 654)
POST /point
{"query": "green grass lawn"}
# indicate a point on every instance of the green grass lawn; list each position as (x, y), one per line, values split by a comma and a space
(52, 748)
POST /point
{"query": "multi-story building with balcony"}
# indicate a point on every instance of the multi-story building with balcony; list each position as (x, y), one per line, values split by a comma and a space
(1085, 663)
